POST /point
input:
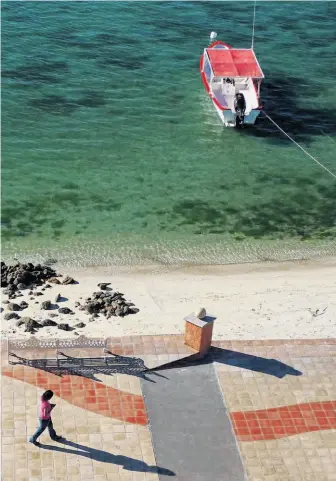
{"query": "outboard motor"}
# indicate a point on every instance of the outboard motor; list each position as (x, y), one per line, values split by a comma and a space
(239, 106)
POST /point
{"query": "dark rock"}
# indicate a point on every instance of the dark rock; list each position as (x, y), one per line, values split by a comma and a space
(118, 295)
(96, 295)
(54, 280)
(53, 314)
(10, 281)
(36, 302)
(65, 310)
(133, 310)
(48, 286)
(11, 315)
(24, 304)
(19, 323)
(30, 293)
(103, 285)
(31, 325)
(92, 319)
(5, 302)
(13, 307)
(8, 291)
(43, 289)
(77, 304)
(119, 312)
(91, 308)
(108, 301)
(48, 322)
(37, 293)
(58, 298)
(31, 298)
(64, 327)
(69, 280)
(46, 305)
(22, 286)
(109, 310)
(80, 324)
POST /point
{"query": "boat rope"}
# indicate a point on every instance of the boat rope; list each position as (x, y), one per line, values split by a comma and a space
(298, 145)
(254, 15)
(326, 135)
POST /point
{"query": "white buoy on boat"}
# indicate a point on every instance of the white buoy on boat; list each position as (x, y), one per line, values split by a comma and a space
(213, 35)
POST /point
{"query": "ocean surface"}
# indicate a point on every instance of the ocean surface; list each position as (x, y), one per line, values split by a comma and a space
(112, 153)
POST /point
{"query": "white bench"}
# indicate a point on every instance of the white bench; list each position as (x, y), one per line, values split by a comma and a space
(80, 342)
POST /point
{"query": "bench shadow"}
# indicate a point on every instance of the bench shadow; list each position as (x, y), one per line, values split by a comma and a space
(90, 367)
(127, 463)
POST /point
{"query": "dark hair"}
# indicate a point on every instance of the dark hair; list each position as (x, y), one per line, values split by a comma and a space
(47, 395)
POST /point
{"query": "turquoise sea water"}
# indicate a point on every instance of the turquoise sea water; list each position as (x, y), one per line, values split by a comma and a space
(113, 153)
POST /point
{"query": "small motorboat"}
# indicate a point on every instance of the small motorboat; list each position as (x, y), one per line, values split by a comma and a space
(232, 77)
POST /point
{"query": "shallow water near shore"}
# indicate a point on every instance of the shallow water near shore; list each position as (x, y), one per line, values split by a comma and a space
(112, 152)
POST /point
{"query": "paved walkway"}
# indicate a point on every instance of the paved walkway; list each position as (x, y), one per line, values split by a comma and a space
(190, 427)
(280, 397)
(282, 401)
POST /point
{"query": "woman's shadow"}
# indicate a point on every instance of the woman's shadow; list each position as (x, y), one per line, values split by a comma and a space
(103, 456)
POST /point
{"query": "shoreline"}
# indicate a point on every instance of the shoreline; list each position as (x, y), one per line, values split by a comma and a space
(251, 300)
(234, 267)
(124, 250)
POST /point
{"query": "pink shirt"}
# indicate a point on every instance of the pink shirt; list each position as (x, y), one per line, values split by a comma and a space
(45, 409)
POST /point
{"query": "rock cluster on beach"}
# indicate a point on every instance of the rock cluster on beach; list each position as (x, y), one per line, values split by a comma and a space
(23, 276)
(19, 277)
(108, 302)
(31, 325)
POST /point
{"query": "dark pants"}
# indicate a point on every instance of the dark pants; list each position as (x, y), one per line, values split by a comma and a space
(44, 424)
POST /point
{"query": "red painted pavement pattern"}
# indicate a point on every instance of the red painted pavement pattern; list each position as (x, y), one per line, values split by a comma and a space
(85, 393)
(284, 421)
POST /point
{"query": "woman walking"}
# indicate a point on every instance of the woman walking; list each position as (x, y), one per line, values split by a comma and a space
(45, 419)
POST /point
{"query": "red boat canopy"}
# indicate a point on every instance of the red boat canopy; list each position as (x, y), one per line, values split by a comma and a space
(234, 63)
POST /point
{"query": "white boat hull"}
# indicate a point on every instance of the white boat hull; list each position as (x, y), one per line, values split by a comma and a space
(229, 118)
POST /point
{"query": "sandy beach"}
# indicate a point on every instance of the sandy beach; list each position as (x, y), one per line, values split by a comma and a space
(250, 301)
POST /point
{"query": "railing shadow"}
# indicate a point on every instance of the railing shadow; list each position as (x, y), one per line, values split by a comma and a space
(90, 367)
(127, 463)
